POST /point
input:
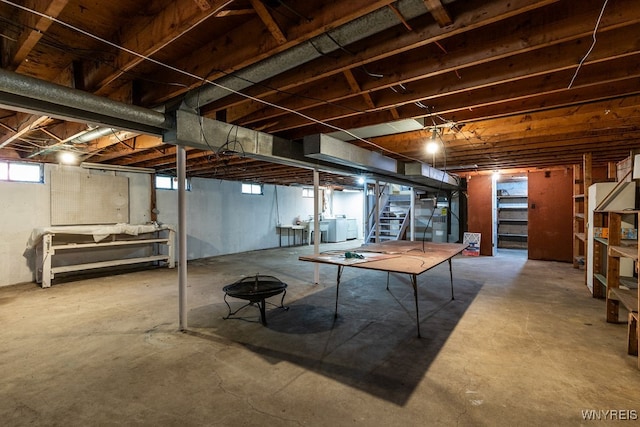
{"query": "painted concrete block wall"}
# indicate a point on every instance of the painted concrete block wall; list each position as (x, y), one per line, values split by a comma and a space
(25, 206)
(140, 187)
(221, 220)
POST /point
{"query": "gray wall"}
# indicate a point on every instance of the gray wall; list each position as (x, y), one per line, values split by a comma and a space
(220, 220)
(27, 206)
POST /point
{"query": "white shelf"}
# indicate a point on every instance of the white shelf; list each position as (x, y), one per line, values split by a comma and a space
(50, 247)
(112, 263)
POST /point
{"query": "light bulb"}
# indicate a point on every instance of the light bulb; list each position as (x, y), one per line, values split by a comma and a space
(67, 157)
(432, 147)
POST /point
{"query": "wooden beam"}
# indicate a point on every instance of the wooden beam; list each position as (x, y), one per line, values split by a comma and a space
(34, 122)
(502, 92)
(242, 50)
(355, 87)
(438, 12)
(400, 17)
(554, 45)
(146, 37)
(235, 12)
(388, 44)
(204, 5)
(268, 21)
(461, 112)
(126, 143)
(36, 27)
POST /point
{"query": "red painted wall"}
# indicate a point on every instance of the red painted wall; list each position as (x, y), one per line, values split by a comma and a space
(550, 215)
(479, 210)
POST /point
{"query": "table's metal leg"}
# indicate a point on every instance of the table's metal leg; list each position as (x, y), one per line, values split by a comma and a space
(388, 274)
(451, 276)
(414, 283)
(340, 267)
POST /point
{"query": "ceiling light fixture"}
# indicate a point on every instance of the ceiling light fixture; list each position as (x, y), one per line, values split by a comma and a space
(67, 158)
(432, 144)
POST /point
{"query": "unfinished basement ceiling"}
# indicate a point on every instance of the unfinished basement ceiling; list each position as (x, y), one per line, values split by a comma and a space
(518, 84)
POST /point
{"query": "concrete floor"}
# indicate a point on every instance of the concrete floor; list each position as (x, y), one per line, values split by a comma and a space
(522, 344)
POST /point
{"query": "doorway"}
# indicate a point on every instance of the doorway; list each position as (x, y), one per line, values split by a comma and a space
(511, 213)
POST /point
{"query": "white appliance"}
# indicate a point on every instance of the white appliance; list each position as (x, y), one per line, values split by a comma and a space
(337, 230)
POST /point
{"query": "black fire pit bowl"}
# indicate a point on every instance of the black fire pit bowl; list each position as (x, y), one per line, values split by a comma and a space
(255, 289)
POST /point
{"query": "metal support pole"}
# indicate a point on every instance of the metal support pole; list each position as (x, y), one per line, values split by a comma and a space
(317, 234)
(412, 212)
(181, 166)
(378, 208)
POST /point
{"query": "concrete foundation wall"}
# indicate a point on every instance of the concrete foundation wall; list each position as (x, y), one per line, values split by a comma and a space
(220, 220)
(27, 206)
(24, 207)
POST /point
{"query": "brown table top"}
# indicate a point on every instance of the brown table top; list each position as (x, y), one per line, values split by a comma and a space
(396, 256)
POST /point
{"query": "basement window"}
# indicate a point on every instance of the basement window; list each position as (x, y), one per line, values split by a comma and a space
(21, 172)
(165, 182)
(307, 192)
(252, 189)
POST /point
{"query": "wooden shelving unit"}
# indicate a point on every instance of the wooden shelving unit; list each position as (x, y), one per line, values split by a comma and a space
(582, 179)
(512, 221)
(600, 248)
(623, 290)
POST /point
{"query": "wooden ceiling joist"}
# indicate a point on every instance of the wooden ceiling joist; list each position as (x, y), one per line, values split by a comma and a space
(492, 76)
(438, 12)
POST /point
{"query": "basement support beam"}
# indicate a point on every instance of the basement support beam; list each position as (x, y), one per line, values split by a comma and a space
(317, 151)
(181, 166)
(317, 235)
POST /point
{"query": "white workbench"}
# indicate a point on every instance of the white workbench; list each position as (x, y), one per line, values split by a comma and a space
(49, 242)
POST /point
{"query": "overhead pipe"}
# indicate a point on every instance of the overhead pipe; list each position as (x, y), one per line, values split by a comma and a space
(338, 38)
(322, 152)
(92, 135)
(35, 96)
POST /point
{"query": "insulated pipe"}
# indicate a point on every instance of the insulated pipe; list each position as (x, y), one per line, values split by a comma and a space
(181, 165)
(323, 44)
(60, 101)
(92, 135)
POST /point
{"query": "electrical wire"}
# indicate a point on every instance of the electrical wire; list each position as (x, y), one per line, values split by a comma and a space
(293, 94)
(210, 82)
(593, 44)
